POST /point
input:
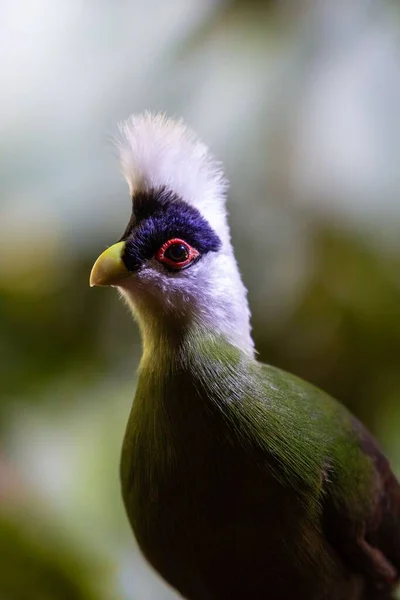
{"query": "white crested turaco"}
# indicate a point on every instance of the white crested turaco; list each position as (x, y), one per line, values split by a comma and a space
(240, 481)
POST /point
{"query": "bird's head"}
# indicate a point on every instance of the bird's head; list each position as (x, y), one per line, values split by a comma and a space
(174, 263)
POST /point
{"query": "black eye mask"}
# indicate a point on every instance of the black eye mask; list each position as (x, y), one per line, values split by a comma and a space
(158, 216)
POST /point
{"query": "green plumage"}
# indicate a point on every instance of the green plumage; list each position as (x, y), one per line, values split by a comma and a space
(234, 472)
(241, 482)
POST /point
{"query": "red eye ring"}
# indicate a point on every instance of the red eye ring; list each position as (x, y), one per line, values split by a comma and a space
(191, 253)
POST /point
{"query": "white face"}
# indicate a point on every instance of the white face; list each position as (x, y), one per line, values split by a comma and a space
(172, 253)
(155, 288)
(181, 272)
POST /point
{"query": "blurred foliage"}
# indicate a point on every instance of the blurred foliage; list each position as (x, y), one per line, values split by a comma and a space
(34, 568)
(344, 334)
(39, 561)
(61, 335)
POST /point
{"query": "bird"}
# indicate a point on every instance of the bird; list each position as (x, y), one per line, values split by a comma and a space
(240, 481)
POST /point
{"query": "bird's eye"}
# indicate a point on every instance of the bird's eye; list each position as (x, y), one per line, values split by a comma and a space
(176, 253)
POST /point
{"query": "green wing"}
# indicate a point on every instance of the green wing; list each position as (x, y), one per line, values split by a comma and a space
(309, 441)
(323, 445)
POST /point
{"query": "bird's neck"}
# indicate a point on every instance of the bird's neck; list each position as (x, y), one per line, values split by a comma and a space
(219, 310)
(187, 346)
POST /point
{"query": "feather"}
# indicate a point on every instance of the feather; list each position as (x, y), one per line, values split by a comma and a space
(156, 152)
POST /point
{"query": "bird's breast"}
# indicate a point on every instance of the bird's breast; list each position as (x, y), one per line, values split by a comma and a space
(201, 506)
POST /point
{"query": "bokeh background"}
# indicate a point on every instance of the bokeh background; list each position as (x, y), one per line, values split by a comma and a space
(301, 101)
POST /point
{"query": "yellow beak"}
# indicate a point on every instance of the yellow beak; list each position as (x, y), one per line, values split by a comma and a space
(109, 268)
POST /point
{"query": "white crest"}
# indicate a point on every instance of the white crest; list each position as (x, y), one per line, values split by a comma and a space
(156, 151)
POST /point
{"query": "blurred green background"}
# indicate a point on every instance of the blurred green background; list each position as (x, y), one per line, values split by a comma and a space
(301, 101)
